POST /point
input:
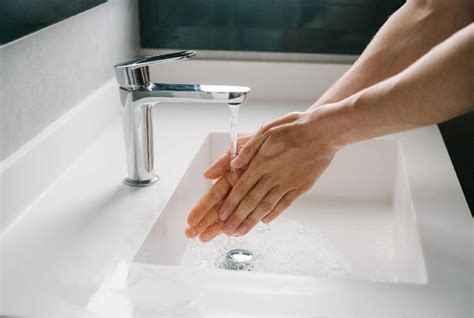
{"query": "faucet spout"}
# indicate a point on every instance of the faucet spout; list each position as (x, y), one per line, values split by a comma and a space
(188, 93)
(138, 96)
(138, 124)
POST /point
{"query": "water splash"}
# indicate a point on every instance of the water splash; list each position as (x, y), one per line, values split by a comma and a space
(291, 247)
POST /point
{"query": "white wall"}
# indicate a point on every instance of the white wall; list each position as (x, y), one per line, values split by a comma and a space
(45, 74)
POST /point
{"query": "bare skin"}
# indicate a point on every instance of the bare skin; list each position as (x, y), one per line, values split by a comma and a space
(405, 37)
(286, 157)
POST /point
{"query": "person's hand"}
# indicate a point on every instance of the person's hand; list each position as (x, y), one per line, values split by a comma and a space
(283, 163)
(203, 219)
(222, 164)
(288, 156)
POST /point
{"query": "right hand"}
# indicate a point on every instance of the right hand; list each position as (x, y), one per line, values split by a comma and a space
(203, 219)
(222, 165)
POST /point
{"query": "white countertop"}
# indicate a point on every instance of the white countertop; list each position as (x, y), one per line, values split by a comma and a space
(70, 253)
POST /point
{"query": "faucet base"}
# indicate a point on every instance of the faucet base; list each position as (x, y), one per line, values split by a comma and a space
(141, 183)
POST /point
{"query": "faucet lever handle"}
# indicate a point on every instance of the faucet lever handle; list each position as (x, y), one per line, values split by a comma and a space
(134, 73)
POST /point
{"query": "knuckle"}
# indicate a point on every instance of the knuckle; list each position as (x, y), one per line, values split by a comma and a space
(237, 218)
(246, 223)
(266, 181)
(295, 115)
(261, 162)
(285, 202)
(244, 151)
(268, 132)
(204, 224)
(251, 221)
(265, 206)
(250, 201)
(264, 127)
(274, 133)
(231, 178)
(233, 222)
(213, 195)
(239, 191)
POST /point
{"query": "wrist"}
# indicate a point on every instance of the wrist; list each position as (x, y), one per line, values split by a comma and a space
(331, 123)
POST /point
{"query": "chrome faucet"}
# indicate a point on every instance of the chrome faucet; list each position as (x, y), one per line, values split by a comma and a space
(138, 96)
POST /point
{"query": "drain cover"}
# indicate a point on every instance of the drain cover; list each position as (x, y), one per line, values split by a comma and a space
(238, 259)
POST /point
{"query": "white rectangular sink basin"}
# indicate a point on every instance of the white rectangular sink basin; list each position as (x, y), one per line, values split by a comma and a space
(357, 222)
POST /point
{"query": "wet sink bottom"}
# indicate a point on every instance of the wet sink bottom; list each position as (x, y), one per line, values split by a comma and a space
(289, 247)
(357, 222)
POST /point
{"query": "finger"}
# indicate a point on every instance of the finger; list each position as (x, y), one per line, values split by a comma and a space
(210, 218)
(264, 207)
(244, 184)
(216, 193)
(219, 167)
(249, 150)
(246, 206)
(211, 232)
(282, 205)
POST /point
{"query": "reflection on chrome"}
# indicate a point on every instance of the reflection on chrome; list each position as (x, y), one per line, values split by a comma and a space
(139, 94)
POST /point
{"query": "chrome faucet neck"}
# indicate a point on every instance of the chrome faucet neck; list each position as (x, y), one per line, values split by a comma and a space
(139, 95)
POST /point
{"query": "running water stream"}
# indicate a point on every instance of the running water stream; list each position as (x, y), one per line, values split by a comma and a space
(234, 123)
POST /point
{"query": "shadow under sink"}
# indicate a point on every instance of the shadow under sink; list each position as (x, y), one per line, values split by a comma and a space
(356, 222)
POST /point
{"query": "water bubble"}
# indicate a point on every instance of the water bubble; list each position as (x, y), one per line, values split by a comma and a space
(260, 229)
(290, 247)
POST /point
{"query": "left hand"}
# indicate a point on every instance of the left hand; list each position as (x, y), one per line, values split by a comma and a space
(283, 162)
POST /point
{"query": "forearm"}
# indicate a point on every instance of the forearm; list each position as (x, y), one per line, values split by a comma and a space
(436, 88)
(406, 36)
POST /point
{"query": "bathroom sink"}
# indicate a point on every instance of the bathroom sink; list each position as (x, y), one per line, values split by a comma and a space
(357, 222)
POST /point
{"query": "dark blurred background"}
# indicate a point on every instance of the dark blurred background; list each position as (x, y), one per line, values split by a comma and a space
(308, 26)
(22, 17)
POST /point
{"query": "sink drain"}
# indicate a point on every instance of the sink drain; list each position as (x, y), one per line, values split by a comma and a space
(239, 259)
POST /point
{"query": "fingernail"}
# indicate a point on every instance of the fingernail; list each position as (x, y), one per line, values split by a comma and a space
(265, 220)
(235, 163)
(240, 232)
(223, 215)
(190, 233)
